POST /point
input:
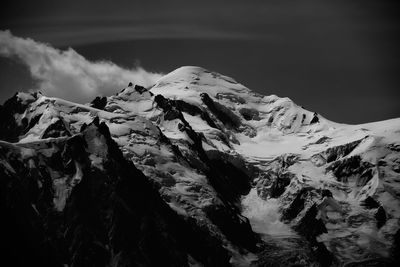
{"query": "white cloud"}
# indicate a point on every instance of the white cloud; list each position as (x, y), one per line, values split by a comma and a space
(68, 75)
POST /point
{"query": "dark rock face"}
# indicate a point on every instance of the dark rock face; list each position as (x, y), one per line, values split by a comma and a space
(140, 89)
(137, 88)
(231, 181)
(99, 102)
(315, 118)
(23, 238)
(57, 129)
(173, 108)
(380, 217)
(279, 185)
(194, 110)
(236, 227)
(326, 193)
(370, 203)
(337, 152)
(285, 161)
(9, 129)
(396, 248)
(297, 205)
(226, 116)
(321, 140)
(172, 114)
(161, 101)
(275, 184)
(112, 216)
(343, 169)
(170, 111)
(249, 114)
(311, 224)
(365, 177)
(303, 118)
(311, 227)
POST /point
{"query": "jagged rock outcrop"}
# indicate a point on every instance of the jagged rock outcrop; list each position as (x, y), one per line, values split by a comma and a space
(347, 167)
(194, 110)
(334, 153)
(274, 184)
(274, 181)
(227, 117)
(297, 205)
(380, 217)
(315, 118)
(99, 102)
(56, 129)
(10, 129)
(370, 203)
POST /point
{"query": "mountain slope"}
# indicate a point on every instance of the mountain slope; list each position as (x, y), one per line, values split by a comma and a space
(85, 204)
(219, 154)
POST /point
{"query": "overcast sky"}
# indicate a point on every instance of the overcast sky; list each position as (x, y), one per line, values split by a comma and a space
(339, 58)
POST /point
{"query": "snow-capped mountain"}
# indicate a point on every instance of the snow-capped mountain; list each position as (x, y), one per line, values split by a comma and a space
(197, 170)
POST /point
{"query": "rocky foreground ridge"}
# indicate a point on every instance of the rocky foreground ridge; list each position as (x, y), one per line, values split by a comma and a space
(197, 170)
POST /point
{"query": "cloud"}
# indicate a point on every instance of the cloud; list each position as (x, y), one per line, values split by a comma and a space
(67, 74)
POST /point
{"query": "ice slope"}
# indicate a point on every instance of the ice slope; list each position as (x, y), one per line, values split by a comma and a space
(193, 117)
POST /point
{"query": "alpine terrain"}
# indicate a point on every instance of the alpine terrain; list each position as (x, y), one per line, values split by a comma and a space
(196, 170)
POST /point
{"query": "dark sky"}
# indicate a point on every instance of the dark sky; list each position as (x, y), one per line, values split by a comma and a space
(337, 57)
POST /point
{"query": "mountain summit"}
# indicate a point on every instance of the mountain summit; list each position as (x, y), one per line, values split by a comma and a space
(197, 170)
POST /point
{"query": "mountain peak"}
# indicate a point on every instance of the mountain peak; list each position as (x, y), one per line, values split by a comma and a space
(213, 149)
(199, 79)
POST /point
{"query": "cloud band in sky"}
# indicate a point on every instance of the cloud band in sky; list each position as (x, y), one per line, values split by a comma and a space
(67, 74)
